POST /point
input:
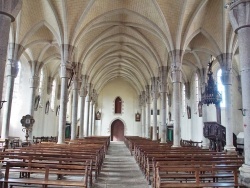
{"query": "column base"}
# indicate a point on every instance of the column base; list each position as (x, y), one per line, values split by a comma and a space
(230, 149)
(244, 176)
(175, 146)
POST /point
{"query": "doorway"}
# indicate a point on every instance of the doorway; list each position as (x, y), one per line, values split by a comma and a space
(117, 130)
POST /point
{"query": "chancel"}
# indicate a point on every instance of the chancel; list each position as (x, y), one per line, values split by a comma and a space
(158, 86)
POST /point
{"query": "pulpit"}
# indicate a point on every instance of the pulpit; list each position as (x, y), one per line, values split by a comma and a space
(216, 133)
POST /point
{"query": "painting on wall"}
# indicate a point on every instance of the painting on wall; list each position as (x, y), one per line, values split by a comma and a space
(188, 112)
(47, 107)
(200, 109)
(137, 116)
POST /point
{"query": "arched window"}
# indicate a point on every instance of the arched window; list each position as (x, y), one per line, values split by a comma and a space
(196, 91)
(53, 95)
(118, 105)
(183, 98)
(40, 89)
(221, 88)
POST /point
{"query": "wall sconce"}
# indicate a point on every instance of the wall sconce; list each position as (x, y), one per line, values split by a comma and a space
(243, 111)
(1, 104)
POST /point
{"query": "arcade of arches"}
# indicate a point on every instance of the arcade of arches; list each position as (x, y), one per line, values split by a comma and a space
(64, 61)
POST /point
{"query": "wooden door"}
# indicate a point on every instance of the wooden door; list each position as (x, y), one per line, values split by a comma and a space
(117, 131)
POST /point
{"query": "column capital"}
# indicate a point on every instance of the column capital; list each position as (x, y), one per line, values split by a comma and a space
(176, 63)
(94, 96)
(176, 59)
(10, 8)
(239, 14)
(66, 70)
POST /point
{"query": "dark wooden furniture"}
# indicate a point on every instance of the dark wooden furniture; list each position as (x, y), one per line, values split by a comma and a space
(216, 133)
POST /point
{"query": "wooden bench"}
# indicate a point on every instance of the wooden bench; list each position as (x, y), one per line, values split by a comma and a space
(195, 176)
(46, 171)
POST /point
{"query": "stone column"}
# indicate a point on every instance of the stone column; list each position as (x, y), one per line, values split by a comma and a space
(90, 117)
(154, 91)
(87, 106)
(74, 107)
(176, 79)
(65, 75)
(8, 12)
(163, 91)
(67, 52)
(140, 107)
(148, 112)
(93, 120)
(225, 61)
(94, 100)
(83, 93)
(143, 113)
(11, 73)
(240, 20)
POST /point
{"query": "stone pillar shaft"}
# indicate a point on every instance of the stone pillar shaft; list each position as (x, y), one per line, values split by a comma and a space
(244, 46)
(148, 112)
(226, 64)
(155, 97)
(74, 109)
(86, 117)
(176, 114)
(93, 120)
(65, 74)
(163, 90)
(143, 120)
(81, 128)
(90, 118)
(177, 78)
(63, 110)
(83, 93)
(240, 20)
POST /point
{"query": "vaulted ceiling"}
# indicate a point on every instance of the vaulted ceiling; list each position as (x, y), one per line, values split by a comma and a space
(130, 39)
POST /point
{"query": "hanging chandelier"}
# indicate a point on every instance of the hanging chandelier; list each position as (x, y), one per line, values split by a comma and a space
(211, 95)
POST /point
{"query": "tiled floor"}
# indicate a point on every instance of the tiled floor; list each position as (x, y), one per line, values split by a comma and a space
(120, 169)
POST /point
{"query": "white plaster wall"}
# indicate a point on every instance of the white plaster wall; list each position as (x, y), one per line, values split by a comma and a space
(106, 98)
(20, 106)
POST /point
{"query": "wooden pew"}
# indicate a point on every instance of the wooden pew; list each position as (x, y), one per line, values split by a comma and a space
(46, 171)
(195, 177)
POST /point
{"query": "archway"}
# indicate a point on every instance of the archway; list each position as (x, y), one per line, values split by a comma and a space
(117, 130)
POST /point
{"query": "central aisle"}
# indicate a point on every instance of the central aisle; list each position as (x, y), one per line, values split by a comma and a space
(120, 169)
